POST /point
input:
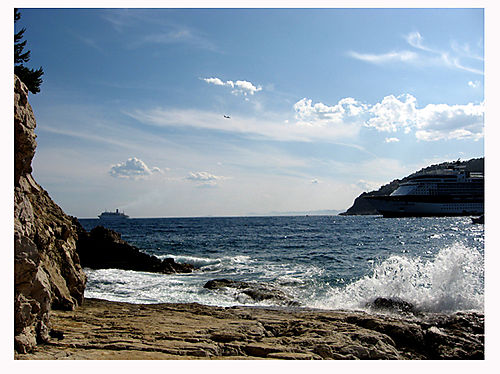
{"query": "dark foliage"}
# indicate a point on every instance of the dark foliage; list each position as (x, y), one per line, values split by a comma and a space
(30, 77)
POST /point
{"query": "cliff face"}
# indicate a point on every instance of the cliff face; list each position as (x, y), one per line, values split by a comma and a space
(362, 206)
(47, 271)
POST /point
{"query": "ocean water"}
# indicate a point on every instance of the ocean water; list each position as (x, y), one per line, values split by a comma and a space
(325, 262)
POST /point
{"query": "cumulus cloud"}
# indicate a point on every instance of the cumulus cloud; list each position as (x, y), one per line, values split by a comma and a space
(391, 140)
(344, 120)
(239, 87)
(346, 110)
(204, 179)
(441, 121)
(433, 122)
(393, 113)
(133, 168)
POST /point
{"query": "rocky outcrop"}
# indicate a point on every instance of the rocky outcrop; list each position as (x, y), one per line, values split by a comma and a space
(102, 248)
(110, 330)
(250, 291)
(47, 273)
(362, 206)
(393, 305)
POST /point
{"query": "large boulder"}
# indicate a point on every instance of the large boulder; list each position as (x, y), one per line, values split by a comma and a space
(252, 292)
(102, 248)
(47, 272)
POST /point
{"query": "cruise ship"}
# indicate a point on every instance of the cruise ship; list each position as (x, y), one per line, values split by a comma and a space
(113, 216)
(445, 192)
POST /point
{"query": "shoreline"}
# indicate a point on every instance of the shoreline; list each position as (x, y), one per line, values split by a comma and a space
(110, 330)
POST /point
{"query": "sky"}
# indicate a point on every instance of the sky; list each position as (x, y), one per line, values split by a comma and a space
(223, 112)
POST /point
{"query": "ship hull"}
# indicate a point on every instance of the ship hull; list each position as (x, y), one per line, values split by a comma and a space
(392, 206)
(113, 218)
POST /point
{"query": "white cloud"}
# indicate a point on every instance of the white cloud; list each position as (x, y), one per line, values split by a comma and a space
(319, 114)
(245, 87)
(474, 84)
(204, 179)
(216, 81)
(426, 55)
(133, 168)
(239, 87)
(416, 40)
(433, 122)
(391, 140)
(394, 56)
(344, 120)
(465, 51)
(272, 127)
(367, 186)
(392, 113)
(441, 121)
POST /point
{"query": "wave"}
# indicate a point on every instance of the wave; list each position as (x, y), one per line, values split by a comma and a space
(210, 264)
(452, 281)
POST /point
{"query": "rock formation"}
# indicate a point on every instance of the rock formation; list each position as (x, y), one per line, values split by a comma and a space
(47, 271)
(253, 291)
(104, 248)
(110, 330)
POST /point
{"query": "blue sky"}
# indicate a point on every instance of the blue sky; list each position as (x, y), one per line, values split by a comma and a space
(323, 104)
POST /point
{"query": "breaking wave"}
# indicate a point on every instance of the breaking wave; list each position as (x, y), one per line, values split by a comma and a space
(452, 281)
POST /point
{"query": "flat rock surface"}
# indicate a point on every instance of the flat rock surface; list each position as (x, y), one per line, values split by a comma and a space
(102, 329)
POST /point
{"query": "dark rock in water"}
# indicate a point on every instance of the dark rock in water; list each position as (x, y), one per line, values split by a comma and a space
(392, 305)
(103, 248)
(256, 291)
(479, 219)
(216, 284)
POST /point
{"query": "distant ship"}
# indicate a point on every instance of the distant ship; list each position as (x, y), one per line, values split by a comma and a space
(446, 192)
(115, 216)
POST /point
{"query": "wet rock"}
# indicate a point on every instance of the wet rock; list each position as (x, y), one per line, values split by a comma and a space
(216, 284)
(460, 335)
(254, 290)
(109, 330)
(103, 248)
(392, 305)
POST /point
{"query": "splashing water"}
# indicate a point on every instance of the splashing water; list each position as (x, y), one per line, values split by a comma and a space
(324, 262)
(452, 281)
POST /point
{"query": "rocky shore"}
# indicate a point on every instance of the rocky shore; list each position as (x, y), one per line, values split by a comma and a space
(102, 329)
(47, 271)
(53, 320)
(51, 248)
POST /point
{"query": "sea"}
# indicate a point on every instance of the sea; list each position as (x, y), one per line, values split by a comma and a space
(321, 262)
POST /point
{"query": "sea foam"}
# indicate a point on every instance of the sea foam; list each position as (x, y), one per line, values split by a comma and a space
(452, 281)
